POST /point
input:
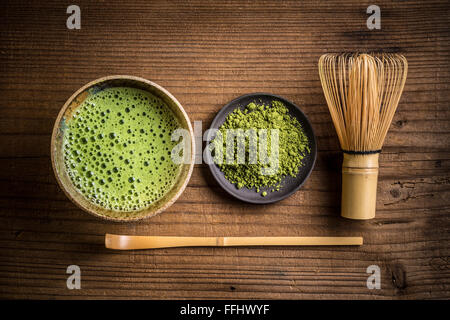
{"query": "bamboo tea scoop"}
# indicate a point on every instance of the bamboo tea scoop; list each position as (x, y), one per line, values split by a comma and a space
(122, 242)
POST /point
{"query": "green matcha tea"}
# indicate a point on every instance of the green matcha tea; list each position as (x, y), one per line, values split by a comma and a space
(117, 149)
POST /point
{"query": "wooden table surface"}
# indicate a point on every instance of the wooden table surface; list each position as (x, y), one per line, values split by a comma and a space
(206, 54)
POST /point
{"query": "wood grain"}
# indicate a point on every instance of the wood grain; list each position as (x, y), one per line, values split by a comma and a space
(205, 54)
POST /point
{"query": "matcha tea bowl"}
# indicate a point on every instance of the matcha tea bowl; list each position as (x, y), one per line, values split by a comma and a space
(121, 148)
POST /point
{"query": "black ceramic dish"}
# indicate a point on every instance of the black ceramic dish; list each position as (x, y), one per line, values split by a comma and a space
(289, 184)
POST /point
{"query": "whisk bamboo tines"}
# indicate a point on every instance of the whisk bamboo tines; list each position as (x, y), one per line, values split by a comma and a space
(362, 92)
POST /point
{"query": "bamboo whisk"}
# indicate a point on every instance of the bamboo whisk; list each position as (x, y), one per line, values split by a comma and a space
(362, 92)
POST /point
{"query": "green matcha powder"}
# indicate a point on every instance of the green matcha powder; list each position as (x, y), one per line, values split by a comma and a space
(293, 146)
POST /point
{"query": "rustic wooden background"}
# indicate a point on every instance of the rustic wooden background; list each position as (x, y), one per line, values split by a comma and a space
(207, 53)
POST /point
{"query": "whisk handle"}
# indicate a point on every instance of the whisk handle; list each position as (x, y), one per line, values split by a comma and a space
(359, 186)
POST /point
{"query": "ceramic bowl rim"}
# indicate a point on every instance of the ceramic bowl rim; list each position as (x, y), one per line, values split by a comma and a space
(56, 127)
